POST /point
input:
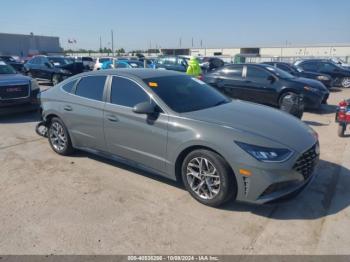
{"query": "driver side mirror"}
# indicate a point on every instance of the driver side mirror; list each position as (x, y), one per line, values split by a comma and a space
(144, 108)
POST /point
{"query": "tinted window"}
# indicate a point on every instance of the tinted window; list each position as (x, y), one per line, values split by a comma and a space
(91, 87)
(327, 67)
(309, 66)
(127, 93)
(69, 86)
(232, 71)
(257, 74)
(6, 69)
(35, 60)
(178, 92)
(102, 60)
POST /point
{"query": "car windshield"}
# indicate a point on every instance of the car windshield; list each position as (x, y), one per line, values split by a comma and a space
(280, 73)
(59, 61)
(185, 94)
(6, 69)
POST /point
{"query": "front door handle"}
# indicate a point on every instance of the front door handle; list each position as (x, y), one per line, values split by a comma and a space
(68, 108)
(112, 118)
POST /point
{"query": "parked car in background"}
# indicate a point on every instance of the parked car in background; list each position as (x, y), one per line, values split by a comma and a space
(128, 64)
(17, 92)
(265, 84)
(181, 128)
(52, 68)
(87, 61)
(340, 75)
(208, 64)
(99, 61)
(18, 66)
(175, 63)
(299, 72)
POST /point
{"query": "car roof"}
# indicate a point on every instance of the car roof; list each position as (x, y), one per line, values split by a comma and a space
(142, 73)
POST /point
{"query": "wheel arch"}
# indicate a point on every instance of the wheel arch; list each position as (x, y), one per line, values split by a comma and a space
(182, 155)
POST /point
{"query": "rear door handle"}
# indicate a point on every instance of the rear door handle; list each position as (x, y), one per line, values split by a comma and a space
(112, 118)
(68, 108)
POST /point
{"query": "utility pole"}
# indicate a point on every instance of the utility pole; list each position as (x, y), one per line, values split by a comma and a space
(100, 44)
(192, 42)
(180, 40)
(112, 42)
(201, 43)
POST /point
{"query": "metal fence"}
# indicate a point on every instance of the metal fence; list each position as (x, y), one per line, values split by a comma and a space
(292, 59)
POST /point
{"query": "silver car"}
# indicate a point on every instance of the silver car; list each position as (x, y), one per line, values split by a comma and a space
(179, 127)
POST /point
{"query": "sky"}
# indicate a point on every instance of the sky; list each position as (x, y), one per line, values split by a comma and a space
(140, 24)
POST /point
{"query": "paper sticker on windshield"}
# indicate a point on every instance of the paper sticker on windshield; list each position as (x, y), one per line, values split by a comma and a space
(198, 81)
(2, 63)
(153, 84)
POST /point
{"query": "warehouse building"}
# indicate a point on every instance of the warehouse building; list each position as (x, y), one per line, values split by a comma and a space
(26, 45)
(319, 51)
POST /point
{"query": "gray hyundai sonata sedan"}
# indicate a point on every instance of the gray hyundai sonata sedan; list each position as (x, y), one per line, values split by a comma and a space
(179, 127)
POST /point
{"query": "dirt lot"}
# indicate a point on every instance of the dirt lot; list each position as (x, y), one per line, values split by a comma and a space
(86, 205)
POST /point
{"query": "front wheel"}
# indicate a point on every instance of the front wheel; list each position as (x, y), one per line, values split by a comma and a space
(208, 178)
(345, 82)
(59, 138)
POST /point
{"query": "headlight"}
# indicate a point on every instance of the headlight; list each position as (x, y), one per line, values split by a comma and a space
(311, 89)
(323, 78)
(266, 154)
(34, 85)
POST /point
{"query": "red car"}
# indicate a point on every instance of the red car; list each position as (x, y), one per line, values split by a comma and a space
(343, 116)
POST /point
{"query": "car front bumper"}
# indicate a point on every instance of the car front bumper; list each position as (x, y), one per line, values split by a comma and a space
(271, 184)
(10, 106)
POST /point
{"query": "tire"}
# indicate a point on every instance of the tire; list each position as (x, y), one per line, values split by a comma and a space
(345, 82)
(341, 130)
(222, 182)
(280, 100)
(56, 78)
(59, 138)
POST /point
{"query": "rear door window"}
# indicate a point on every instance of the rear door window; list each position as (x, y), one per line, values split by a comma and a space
(235, 72)
(69, 86)
(91, 87)
(309, 66)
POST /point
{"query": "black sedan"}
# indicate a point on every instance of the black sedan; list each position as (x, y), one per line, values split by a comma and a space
(299, 72)
(52, 68)
(17, 92)
(265, 84)
(341, 75)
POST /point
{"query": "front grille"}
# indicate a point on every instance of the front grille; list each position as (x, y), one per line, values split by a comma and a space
(14, 91)
(306, 162)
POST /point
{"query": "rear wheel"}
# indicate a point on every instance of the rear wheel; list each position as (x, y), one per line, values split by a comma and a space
(345, 82)
(341, 130)
(208, 178)
(59, 138)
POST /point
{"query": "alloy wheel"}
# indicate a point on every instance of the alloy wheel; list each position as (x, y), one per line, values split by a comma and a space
(203, 178)
(346, 82)
(58, 137)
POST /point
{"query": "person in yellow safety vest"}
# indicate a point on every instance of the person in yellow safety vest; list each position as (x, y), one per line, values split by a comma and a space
(194, 68)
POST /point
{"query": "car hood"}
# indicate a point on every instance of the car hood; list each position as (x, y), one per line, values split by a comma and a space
(13, 79)
(259, 120)
(310, 82)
